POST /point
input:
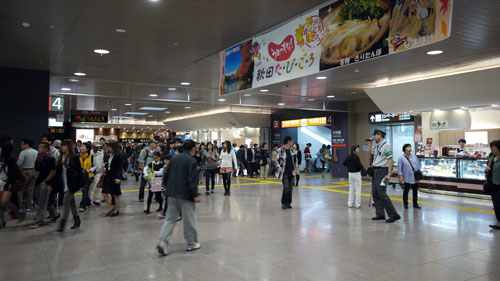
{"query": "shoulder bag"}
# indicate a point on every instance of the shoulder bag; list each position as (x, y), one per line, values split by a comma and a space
(417, 174)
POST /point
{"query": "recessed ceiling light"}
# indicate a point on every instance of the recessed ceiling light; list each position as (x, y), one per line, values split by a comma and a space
(52, 27)
(120, 30)
(26, 24)
(73, 80)
(101, 51)
(114, 109)
(172, 89)
(247, 95)
(356, 70)
(167, 112)
(321, 77)
(310, 99)
(175, 44)
(330, 96)
(185, 83)
(128, 104)
(222, 99)
(153, 95)
(281, 103)
(494, 105)
(150, 115)
(80, 74)
(66, 89)
(437, 110)
(435, 52)
(187, 107)
(264, 90)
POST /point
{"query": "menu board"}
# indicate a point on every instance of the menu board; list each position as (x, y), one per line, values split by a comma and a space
(338, 34)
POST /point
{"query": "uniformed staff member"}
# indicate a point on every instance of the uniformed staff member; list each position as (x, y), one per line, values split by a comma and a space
(461, 151)
(382, 168)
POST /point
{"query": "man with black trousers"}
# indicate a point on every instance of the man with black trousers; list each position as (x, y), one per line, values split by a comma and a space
(382, 171)
(287, 167)
(248, 159)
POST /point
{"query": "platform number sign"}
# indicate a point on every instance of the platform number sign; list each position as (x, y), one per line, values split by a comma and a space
(56, 103)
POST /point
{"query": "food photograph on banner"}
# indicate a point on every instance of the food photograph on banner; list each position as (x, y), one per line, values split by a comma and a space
(354, 31)
(237, 67)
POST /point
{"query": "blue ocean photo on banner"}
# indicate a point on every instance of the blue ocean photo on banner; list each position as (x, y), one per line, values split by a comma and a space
(237, 68)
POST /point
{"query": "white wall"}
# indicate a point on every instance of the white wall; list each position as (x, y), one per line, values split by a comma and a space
(485, 119)
(426, 129)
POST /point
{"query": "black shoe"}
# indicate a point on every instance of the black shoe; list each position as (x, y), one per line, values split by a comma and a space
(97, 203)
(141, 199)
(56, 218)
(76, 222)
(159, 209)
(115, 214)
(378, 218)
(62, 224)
(207, 193)
(406, 206)
(417, 207)
(391, 220)
(494, 226)
(289, 206)
(212, 191)
(284, 207)
(109, 213)
(147, 212)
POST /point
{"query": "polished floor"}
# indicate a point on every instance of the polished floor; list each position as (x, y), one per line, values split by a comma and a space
(249, 237)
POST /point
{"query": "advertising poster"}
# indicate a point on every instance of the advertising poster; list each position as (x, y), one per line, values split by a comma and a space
(418, 23)
(354, 31)
(288, 52)
(237, 68)
(85, 135)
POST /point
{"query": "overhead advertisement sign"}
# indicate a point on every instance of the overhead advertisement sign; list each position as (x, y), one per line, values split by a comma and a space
(339, 34)
(377, 117)
(317, 121)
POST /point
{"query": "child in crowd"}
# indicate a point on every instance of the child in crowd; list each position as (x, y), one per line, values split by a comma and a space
(154, 173)
(166, 160)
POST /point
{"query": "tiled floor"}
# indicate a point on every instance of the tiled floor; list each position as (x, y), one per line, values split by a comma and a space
(249, 237)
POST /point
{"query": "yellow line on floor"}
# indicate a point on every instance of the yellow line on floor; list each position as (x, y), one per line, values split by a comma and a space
(325, 188)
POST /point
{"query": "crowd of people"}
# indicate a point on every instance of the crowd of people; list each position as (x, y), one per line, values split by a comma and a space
(46, 179)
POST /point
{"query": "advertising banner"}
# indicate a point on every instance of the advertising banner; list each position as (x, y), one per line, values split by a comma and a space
(288, 52)
(339, 34)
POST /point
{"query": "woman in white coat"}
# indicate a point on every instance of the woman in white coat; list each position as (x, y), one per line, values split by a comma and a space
(227, 159)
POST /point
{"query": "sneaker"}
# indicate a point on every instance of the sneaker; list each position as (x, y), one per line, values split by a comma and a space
(37, 225)
(358, 207)
(97, 203)
(162, 250)
(82, 210)
(161, 215)
(197, 246)
(349, 206)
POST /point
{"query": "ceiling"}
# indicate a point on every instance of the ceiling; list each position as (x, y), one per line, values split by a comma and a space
(168, 42)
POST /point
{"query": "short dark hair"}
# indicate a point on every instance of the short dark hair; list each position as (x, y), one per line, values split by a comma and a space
(242, 146)
(287, 139)
(177, 140)
(298, 146)
(49, 137)
(264, 143)
(46, 145)
(7, 149)
(157, 154)
(309, 144)
(462, 141)
(28, 142)
(188, 145)
(405, 146)
(167, 156)
(496, 144)
(78, 141)
(102, 138)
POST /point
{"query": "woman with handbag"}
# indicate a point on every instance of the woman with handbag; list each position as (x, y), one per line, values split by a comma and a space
(69, 172)
(153, 174)
(209, 160)
(493, 180)
(356, 169)
(227, 159)
(114, 176)
(409, 175)
(327, 160)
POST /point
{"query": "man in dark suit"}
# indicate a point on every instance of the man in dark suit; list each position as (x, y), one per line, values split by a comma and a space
(248, 160)
(181, 181)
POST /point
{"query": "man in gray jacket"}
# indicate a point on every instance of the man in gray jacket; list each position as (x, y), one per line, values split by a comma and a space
(181, 181)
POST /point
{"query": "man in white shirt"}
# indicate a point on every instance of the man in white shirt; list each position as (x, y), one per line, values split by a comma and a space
(26, 163)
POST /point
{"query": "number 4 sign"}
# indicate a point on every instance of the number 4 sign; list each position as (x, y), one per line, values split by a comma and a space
(56, 103)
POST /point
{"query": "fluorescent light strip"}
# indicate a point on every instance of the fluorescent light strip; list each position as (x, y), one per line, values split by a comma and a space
(135, 113)
(478, 66)
(122, 117)
(153, 108)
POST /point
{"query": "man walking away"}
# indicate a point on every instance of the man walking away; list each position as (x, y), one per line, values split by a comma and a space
(286, 163)
(181, 181)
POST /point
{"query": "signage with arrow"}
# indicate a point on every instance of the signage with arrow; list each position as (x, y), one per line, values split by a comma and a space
(379, 117)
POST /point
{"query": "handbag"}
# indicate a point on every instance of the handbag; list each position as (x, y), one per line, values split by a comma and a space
(370, 172)
(100, 183)
(417, 174)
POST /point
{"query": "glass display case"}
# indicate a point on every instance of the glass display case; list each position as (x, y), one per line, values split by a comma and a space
(472, 169)
(439, 167)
